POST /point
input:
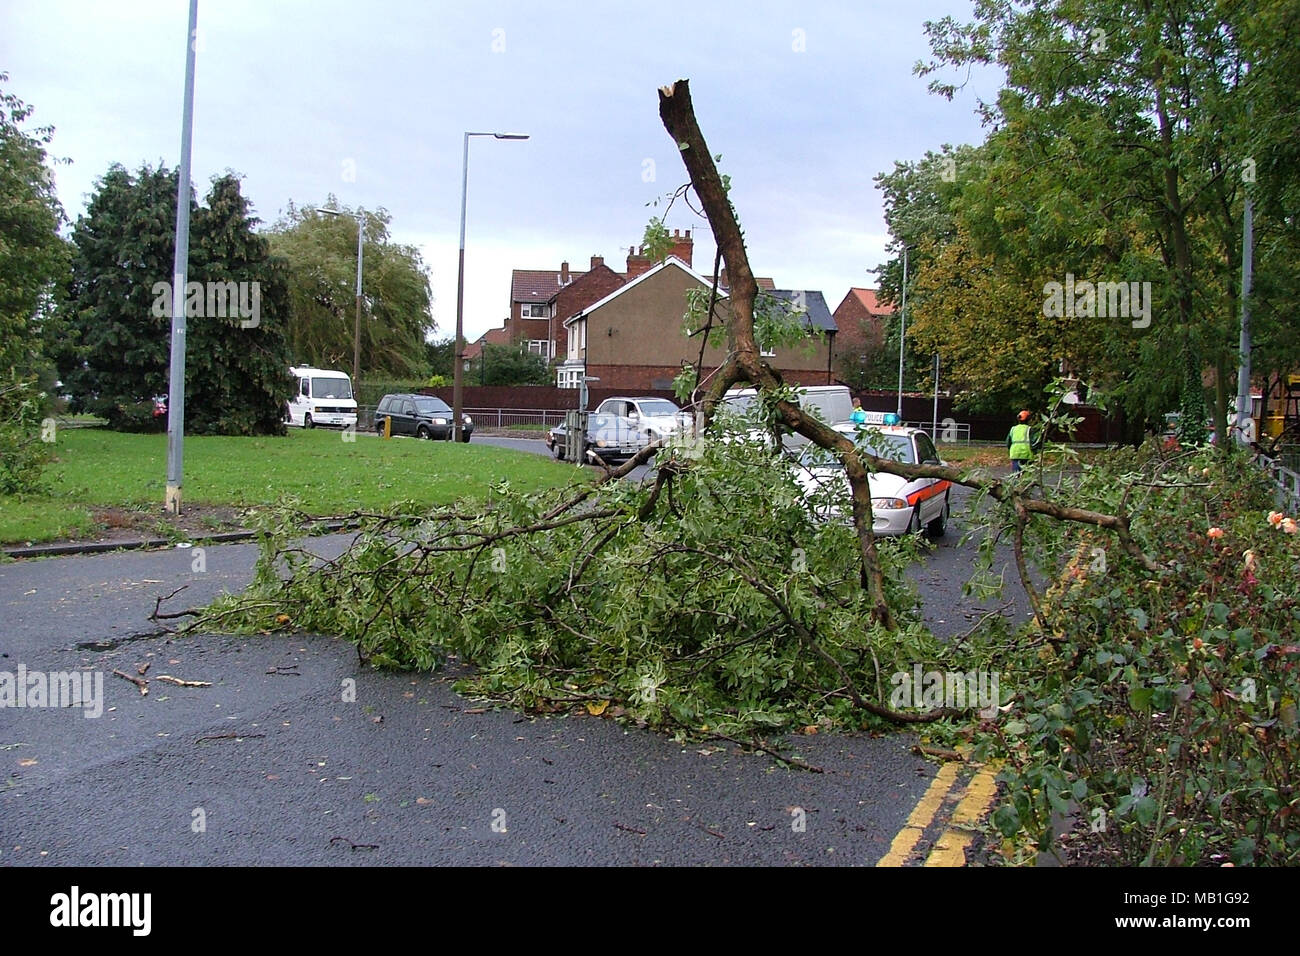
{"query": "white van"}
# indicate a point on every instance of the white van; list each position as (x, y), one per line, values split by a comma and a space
(832, 403)
(321, 396)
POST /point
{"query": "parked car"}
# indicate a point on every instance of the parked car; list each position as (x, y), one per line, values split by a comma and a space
(898, 505)
(420, 416)
(613, 438)
(658, 416)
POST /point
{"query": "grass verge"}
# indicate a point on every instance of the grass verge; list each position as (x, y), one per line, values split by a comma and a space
(95, 470)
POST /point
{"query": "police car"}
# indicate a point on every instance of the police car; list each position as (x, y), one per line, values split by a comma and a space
(898, 505)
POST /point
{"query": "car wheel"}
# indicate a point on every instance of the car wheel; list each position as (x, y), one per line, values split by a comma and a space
(914, 526)
(423, 432)
(939, 525)
(557, 449)
(307, 422)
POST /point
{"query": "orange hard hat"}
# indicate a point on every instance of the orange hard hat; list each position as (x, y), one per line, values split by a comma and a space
(1024, 416)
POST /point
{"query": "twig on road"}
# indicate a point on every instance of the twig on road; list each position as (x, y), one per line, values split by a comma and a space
(139, 682)
(792, 761)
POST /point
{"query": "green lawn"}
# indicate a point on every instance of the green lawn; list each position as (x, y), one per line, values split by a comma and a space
(97, 468)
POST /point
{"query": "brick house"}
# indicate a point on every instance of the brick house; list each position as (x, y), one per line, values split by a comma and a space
(542, 299)
(632, 339)
(861, 321)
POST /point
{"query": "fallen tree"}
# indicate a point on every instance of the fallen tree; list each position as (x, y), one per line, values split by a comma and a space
(551, 572)
(1157, 696)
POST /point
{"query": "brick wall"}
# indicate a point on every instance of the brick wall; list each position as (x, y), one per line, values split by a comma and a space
(599, 282)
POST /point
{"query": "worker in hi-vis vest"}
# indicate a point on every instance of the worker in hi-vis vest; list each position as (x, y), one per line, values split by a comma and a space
(1020, 442)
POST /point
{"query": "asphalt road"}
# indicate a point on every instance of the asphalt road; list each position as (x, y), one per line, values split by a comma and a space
(269, 764)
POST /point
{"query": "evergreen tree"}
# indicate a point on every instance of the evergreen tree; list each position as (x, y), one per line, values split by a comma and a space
(237, 365)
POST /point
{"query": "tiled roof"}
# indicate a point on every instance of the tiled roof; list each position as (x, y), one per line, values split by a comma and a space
(817, 314)
(536, 285)
(869, 300)
(671, 261)
(499, 336)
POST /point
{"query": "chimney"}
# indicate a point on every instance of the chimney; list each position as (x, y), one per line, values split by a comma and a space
(637, 263)
(682, 246)
(564, 273)
(597, 261)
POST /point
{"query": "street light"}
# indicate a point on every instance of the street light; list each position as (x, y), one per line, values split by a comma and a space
(180, 272)
(458, 345)
(359, 216)
(902, 335)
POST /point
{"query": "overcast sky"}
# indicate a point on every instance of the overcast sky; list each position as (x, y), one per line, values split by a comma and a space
(806, 102)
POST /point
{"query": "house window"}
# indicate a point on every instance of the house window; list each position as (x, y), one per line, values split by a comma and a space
(766, 350)
(569, 377)
(535, 311)
(539, 347)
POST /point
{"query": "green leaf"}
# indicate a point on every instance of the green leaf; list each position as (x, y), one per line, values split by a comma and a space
(1007, 820)
(1140, 698)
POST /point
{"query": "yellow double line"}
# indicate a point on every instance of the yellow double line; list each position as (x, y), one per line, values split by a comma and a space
(950, 848)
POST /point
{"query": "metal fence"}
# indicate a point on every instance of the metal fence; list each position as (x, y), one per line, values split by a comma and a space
(486, 417)
(505, 417)
(1287, 481)
(948, 432)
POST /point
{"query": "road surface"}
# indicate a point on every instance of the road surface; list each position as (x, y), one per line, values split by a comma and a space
(270, 764)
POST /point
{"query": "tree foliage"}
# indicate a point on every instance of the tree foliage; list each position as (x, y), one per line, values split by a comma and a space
(33, 262)
(33, 259)
(397, 318)
(1120, 149)
(508, 365)
(113, 341)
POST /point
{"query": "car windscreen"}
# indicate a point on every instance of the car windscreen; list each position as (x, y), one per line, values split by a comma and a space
(894, 447)
(663, 407)
(330, 388)
(432, 406)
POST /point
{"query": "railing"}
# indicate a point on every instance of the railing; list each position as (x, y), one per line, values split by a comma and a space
(486, 417)
(505, 417)
(948, 432)
(1287, 481)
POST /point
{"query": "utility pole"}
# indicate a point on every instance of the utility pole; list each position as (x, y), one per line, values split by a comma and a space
(180, 275)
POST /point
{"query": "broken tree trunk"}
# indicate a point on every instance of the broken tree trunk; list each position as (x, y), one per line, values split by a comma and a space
(744, 361)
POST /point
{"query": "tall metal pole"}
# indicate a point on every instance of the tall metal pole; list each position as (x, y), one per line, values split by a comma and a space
(1244, 407)
(934, 425)
(458, 345)
(180, 275)
(902, 336)
(457, 398)
(356, 331)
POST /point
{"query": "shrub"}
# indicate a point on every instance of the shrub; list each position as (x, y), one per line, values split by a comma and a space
(23, 454)
(1158, 712)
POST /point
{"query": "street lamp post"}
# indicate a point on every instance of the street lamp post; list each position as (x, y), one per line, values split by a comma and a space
(180, 272)
(458, 346)
(902, 335)
(360, 217)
